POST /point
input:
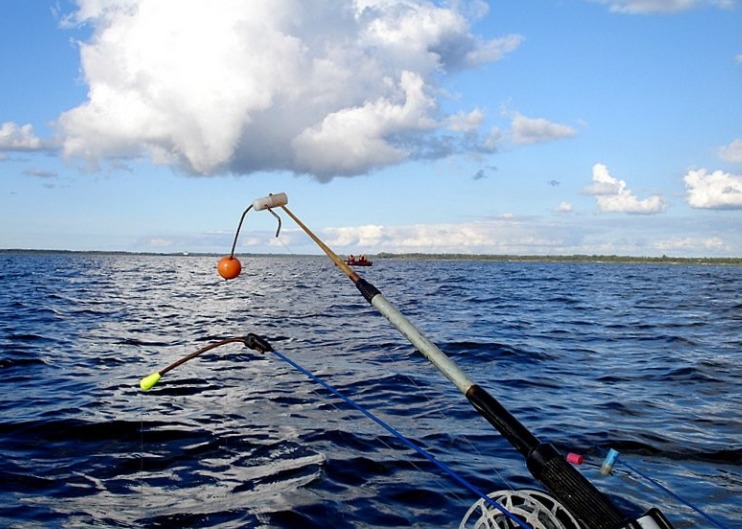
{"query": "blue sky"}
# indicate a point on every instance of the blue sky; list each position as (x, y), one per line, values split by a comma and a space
(506, 127)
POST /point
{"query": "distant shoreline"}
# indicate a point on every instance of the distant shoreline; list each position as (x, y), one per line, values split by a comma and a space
(425, 256)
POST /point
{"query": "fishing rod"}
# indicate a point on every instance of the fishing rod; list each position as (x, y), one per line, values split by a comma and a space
(580, 497)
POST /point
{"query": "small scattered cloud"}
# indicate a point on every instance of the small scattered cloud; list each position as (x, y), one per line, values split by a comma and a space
(674, 244)
(160, 243)
(527, 130)
(614, 196)
(362, 236)
(493, 50)
(484, 172)
(553, 183)
(40, 173)
(14, 137)
(465, 121)
(717, 190)
(564, 207)
(646, 7)
(492, 141)
(738, 58)
(731, 152)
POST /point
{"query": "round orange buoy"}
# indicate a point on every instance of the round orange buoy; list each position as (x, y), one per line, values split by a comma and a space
(229, 267)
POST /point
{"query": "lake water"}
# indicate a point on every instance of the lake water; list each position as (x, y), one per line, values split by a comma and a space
(645, 359)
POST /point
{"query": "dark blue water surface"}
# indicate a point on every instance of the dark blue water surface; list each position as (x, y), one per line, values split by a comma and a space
(645, 359)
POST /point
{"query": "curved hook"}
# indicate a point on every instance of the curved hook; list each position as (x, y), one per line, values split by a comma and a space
(278, 230)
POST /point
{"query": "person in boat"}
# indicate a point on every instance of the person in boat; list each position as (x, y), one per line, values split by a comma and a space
(362, 258)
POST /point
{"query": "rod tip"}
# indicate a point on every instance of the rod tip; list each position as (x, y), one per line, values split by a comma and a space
(149, 381)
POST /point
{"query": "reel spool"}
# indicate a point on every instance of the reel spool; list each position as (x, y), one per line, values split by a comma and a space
(536, 508)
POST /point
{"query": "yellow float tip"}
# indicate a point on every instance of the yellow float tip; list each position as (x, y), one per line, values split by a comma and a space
(149, 381)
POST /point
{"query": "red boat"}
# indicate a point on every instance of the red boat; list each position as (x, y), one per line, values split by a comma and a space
(361, 260)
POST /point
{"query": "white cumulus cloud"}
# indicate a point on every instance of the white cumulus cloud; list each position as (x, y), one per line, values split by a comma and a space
(717, 190)
(329, 88)
(614, 196)
(14, 137)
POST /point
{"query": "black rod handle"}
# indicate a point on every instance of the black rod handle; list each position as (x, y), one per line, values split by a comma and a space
(548, 466)
(488, 407)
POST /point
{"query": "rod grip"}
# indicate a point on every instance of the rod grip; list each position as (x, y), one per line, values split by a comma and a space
(499, 417)
(549, 467)
(574, 491)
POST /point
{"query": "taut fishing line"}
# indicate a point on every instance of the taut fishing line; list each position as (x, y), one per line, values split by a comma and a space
(283, 243)
(437, 480)
(441, 483)
(435, 406)
(437, 410)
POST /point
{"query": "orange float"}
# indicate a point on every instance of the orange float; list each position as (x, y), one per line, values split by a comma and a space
(229, 267)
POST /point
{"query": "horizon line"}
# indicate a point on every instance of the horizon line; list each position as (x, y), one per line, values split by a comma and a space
(407, 255)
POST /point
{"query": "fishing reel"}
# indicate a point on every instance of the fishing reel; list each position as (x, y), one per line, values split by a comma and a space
(536, 508)
(539, 511)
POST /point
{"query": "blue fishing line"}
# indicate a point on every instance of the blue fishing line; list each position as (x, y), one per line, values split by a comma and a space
(405, 440)
(671, 493)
